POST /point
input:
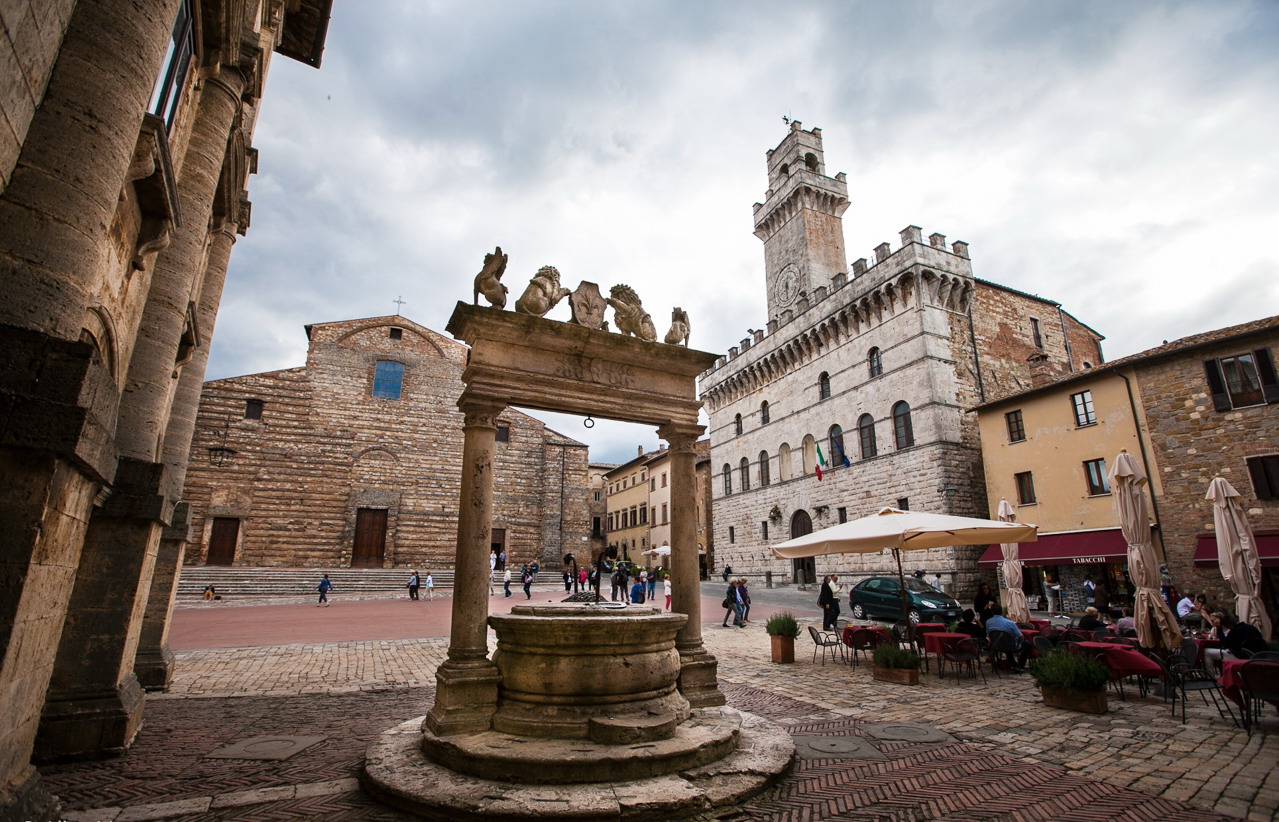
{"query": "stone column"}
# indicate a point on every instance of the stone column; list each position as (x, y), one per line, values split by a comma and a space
(698, 668)
(56, 214)
(154, 663)
(466, 682)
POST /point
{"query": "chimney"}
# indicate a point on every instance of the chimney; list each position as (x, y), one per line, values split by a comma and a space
(912, 234)
(882, 252)
(960, 248)
(859, 267)
(937, 241)
(639, 450)
(1039, 373)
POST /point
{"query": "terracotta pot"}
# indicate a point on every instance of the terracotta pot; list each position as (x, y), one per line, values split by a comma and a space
(1088, 702)
(783, 648)
(900, 676)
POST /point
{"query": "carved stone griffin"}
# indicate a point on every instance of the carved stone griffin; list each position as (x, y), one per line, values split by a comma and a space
(489, 281)
(542, 293)
(679, 327)
(630, 314)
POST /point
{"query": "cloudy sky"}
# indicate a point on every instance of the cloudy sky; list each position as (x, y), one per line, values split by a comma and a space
(1120, 158)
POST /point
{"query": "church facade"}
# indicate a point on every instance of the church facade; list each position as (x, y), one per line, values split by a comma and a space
(354, 460)
(854, 396)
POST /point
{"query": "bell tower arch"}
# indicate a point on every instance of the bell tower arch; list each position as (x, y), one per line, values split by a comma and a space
(800, 220)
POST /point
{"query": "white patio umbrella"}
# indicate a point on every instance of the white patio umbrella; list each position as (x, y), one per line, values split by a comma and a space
(1237, 554)
(903, 531)
(1156, 625)
(1018, 607)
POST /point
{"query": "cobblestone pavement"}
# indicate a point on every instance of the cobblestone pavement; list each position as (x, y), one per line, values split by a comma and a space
(996, 752)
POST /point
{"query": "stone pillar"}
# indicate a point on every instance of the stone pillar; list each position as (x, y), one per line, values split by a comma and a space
(56, 214)
(698, 668)
(94, 701)
(466, 682)
(154, 664)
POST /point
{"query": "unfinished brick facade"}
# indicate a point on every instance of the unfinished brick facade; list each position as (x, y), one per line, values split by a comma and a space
(289, 458)
(897, 348)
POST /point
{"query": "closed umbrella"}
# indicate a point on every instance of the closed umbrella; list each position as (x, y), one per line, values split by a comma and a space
(903, 531)
(1237, 554)
(1018, 608)
(1156, 625)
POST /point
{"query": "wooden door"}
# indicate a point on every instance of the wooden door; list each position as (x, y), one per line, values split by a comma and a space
(497, 543)
(370, 538)
(804, 570)
(226, 532)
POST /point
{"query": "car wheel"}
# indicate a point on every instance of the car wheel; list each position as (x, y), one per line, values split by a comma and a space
(859, 612)
(913, 616)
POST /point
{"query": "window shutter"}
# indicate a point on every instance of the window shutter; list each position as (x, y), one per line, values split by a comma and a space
(1266, 370)
(1216, 385)
(1260, 481)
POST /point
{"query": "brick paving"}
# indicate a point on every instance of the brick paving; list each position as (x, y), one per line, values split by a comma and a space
(1008, 757)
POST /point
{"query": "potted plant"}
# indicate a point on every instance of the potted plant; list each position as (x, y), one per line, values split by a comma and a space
(1069, 681)
(893, 664)
(782, 629)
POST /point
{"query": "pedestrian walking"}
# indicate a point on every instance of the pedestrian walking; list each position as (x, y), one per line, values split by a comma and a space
(429, 582)
(527, 579)
(324, 588)
(744, 597)
(652, 585)
(506, 582)
(667, 582)
(637, 592)
(415, 582)
(568, 580)
(492, 561)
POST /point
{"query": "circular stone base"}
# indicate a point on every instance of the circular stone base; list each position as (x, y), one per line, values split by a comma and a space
(397, 773)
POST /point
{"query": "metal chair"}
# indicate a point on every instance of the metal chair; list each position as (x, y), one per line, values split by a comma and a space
(1043, 646)
(1190, 652)
(906, 635)
(1076, 635)
(1181, 679)
(965, 650)
(1001, 642)
(1101, 634)
(864, 639)
(1260, 680)
(826, 641)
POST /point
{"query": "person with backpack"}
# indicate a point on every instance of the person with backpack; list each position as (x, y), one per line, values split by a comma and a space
(324, 588)
(637, 592)
(527, 579)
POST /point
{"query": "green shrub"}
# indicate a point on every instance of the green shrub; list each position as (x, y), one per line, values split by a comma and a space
(783, 624)
(1069, 672)
(891, 656)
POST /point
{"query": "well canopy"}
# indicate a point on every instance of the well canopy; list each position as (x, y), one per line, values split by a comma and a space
(905, 530)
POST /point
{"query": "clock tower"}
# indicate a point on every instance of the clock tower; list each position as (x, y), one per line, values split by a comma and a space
(799, 220)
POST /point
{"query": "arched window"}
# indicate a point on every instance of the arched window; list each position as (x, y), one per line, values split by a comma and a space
(810, 160)
(728, 479)
(785, 469)
(745, 467)
(903, 432)
(866, 435)
(838, 459)
(763, 469)
(763, 413)
(737, 425)
(823, 386)
(876, 362)
(388, 378)
(809, 454)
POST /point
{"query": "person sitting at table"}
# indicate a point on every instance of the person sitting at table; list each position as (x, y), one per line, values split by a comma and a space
(1125, 623)
(1241, 640)
(983, 601)
(998, 622)
(1185, 606)
(1091, 620)
(968, 625)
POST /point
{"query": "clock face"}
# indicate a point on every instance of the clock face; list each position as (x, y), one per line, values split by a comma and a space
(788, 286)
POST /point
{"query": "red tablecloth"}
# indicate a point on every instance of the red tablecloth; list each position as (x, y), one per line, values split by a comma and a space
(1231, 684)
(1029, 634)
(1204, 642)
(941, 642)
(930, 628)
(851, 629)
(1040, 623)
(1123, 660)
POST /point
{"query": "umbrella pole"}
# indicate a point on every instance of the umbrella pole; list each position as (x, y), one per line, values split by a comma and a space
(901, 582)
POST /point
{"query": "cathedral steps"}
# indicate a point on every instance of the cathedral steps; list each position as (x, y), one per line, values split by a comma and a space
(287, 582)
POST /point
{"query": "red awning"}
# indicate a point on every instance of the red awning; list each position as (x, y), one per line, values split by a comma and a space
(1076, 548)
(1267, 549)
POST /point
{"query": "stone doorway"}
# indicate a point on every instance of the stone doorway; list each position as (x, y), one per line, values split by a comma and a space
(222, 542)
(370, 538)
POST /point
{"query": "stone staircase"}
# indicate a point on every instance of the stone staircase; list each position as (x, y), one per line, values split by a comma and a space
(240, 582)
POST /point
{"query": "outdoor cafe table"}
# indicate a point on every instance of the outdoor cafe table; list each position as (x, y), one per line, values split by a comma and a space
(1231, 683)
(1123, 660)
(922, 628)
(1040, 624)
(1202, 642)
(849, 630)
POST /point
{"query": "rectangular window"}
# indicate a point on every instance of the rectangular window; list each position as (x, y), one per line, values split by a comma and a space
(763, 527)
(173, 71)
(388, 379)
(643, 515)
(1265, 476)
(610, 523)
(732, 534)
(665, 517)
(396, 333)
(1016, 428)
(503, 433)
(663, 479)
(843, 514)
(597, 496)
(1095, 471)
(652, 484)
(1025, 488)
(903, 503)
(1034, 333)
(253, 409)
(595, 527)
(1082, 405)
(1242, 380)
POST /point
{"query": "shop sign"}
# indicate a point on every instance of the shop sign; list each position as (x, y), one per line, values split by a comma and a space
(1089, 560)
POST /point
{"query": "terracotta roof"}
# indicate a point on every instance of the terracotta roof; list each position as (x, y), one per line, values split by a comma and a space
(1168, 349)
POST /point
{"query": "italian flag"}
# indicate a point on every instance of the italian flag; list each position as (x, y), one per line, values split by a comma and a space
(821, 461)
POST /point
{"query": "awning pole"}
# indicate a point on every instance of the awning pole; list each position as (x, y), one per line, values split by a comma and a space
(901, 581)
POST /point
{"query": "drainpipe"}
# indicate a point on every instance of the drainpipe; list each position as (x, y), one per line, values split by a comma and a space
(1145, 461)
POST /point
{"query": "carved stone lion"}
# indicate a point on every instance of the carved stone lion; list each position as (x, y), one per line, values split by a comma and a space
(489, 281)
(679, 327)
(630, 314)
(542, 293)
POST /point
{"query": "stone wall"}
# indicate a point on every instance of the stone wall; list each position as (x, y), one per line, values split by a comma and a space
(1192, 443)
(325, 447)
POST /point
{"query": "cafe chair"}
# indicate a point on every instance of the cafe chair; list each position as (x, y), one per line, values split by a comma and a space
(1001, 642)
(965, 650)
(1180, 679)
(1043, 646)
(827, 642)
(1260, 681)
(864, 639)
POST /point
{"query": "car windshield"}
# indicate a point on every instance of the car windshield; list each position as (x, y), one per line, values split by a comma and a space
(919, 586)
